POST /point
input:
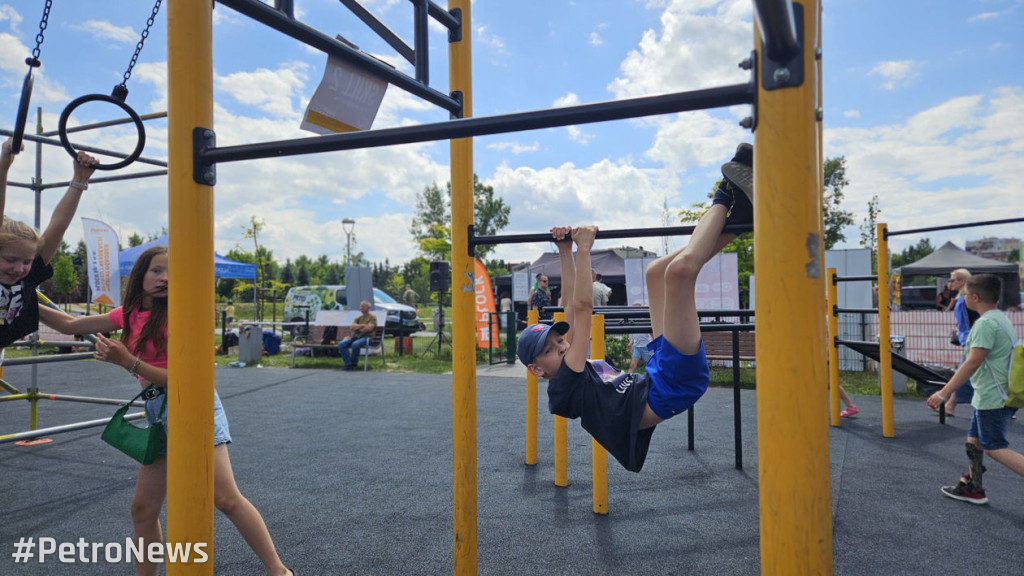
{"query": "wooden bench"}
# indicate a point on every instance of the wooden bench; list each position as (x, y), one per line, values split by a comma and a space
(314, 341)
(718, 345)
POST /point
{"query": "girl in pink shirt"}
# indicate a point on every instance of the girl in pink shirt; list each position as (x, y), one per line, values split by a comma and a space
(142, 350)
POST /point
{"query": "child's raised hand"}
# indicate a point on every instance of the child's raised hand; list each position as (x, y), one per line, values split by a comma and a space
(6, 157)
(584, 236)
(561, 233)
(84, 167)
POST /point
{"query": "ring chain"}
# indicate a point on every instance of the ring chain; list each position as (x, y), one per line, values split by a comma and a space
(39, 36)
(142, 41)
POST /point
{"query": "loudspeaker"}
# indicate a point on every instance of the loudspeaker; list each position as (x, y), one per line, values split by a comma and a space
(439, 276)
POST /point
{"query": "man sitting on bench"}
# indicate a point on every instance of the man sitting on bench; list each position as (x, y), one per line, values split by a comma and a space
(362, 328)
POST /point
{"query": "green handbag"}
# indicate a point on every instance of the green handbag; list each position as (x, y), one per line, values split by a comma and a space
(142, 444)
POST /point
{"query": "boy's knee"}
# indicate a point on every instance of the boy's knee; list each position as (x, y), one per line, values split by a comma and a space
(683, 266)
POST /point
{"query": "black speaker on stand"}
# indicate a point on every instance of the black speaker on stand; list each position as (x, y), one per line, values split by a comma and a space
(440, 279)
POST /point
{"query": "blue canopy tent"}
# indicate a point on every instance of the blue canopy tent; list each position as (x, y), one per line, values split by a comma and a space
(222, 267)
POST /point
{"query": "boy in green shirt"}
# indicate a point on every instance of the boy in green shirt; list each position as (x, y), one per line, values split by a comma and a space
(989, 346)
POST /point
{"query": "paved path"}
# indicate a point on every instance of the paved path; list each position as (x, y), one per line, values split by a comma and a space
(353, 471)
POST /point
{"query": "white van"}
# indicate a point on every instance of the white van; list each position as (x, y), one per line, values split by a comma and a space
(299, 299)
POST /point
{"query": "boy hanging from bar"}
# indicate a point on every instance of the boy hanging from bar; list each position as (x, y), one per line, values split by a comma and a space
(620, 410)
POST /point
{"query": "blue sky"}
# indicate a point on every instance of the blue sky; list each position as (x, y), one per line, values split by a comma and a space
(925, 101)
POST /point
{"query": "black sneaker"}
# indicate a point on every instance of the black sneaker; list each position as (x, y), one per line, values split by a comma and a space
(739, 177)
(963, 493)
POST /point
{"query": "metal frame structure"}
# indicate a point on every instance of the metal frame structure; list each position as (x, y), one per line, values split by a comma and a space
(796, 529)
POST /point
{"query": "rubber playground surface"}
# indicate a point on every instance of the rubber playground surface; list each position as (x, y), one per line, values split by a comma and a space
(353, 473)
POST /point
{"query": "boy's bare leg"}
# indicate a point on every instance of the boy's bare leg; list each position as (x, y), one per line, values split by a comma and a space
(710, 225)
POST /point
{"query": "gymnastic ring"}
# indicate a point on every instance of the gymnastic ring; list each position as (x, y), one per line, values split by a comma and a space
(22, 118)
(62, 128)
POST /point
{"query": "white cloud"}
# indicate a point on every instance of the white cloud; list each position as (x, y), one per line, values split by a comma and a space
(595, 39)
(486, 38)
(983, 16)
(514, 147)
(960, 161)
(272, 91)
(895, 72)
(9, 14)
(699, 45)
(107, 31)
(851, 114)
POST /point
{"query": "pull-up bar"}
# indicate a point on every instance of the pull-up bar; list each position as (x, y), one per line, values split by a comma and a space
(475, 240)
(721, 97)
(889, 233)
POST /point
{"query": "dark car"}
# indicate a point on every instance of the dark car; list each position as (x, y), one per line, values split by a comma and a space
(918, 297)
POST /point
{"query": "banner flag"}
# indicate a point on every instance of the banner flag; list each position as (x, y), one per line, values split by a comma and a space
(102, 250)
(484, 301)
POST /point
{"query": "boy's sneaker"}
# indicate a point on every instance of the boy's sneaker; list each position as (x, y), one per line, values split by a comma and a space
(963, 493)
(738, 183)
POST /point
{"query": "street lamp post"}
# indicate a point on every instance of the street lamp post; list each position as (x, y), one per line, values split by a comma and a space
(348, 225)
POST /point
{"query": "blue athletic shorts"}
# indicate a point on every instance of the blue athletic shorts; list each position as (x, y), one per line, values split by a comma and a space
(221, 433)
(989, 427)
(677, 380)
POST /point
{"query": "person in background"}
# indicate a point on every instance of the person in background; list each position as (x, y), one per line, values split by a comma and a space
(541, 297)
(965, 318)
(362, 328)
(944, 299)
(504, 306)
(410, 297)
(229, 312)
(601, 291)
(637, 347)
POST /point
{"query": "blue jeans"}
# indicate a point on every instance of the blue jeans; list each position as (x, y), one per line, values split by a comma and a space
(356, 346)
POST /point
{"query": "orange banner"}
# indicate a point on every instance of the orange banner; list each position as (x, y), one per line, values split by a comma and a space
(484, 301)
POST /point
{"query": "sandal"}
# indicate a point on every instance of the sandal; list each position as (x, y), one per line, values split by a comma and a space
(850, 411)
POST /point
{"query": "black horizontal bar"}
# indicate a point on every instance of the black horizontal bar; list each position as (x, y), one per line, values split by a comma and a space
(646, 328)
(102, 179)
(380, 28)
(856, 311)
(601, 234)
(267, 15)
(778, 28)
(104, 124)
(443, 16)
(479, 126)
(947, 227)
(856, 278)
(82, 147)
(627, 312)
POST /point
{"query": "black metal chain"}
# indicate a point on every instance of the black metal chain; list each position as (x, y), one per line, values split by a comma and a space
(142, 40)
(34, 60)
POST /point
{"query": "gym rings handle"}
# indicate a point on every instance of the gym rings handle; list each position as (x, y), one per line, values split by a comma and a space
(62, 127)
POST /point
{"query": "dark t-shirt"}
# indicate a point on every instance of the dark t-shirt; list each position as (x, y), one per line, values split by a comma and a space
(540, 300)
(19, 306)
(609, 411)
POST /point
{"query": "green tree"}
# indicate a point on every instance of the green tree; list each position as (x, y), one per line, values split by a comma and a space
(302, 277)
(913, 253)
(431, 224)
(869, 232)
(64, 279)
(135, 240)
(836, 219)
(287, 275)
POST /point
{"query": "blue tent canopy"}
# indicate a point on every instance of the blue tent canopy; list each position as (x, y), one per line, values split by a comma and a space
(222, 267)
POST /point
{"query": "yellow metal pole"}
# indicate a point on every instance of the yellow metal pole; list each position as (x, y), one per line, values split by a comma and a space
(884, 352)
(833, 350)
(190, 271)
(531, 406)
(561, 438)
(795, 507)
(598, 455)
(464, 457)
